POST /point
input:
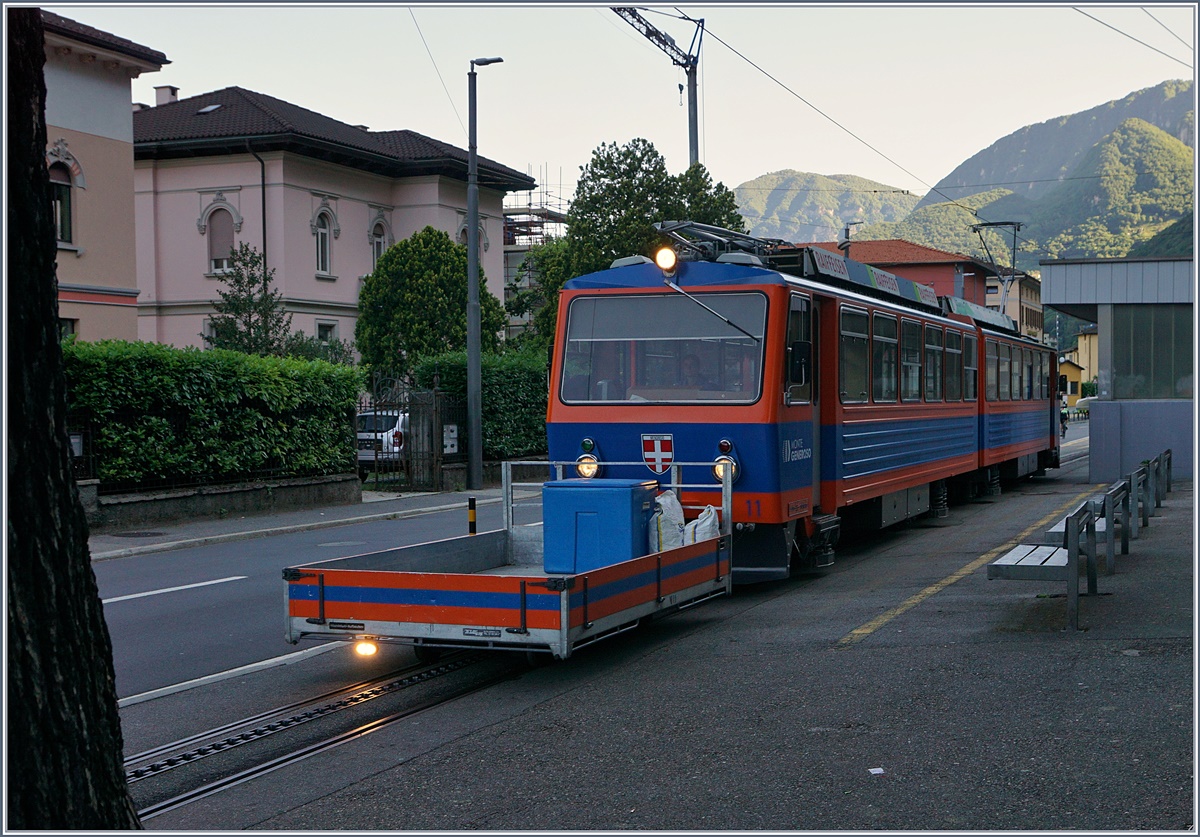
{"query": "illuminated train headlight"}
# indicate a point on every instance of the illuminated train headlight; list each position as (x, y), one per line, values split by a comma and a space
(719, 466)
(587, 466)
(365, 648)
(667, 261)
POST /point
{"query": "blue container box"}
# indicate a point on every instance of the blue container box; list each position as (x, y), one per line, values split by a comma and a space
(594, 523)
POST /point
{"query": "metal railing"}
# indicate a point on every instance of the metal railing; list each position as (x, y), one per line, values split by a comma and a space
(676, 484)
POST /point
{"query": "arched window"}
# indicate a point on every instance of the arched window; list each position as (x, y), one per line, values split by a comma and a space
(378, 243)
(60, 187)
(322, 243)
(220, 240)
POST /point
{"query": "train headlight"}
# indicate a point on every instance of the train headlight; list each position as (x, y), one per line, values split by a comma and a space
(666, 260)
(365, 648)
(587, 466)
(722, 463)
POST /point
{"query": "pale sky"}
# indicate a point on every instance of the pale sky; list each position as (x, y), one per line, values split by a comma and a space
(901, 94)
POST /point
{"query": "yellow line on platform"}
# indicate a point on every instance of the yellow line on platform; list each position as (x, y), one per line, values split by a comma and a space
(863, 631)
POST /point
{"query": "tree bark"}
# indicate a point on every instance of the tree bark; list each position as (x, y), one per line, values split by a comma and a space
(64, 744)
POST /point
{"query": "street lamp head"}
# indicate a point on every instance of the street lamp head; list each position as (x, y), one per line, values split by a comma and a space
(483, 62)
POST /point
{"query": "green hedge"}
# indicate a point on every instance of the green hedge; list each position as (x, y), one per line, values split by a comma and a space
(513, 392)
(157, 413)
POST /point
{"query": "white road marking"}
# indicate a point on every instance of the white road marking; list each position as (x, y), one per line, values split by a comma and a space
(286, 659)
(172, 589)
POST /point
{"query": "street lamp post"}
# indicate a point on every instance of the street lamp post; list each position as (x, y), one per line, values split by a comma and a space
(474, 376)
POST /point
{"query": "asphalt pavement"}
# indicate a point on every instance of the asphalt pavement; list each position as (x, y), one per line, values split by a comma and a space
(901, 690)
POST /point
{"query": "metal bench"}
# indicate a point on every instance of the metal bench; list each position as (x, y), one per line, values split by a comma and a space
(1113, 514)
(1042, 562)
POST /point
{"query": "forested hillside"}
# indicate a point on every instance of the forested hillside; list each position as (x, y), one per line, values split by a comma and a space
(798, 206)
(1095, 184)
(1029, 162)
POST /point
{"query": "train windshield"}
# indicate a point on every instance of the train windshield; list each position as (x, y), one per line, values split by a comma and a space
(664, 349)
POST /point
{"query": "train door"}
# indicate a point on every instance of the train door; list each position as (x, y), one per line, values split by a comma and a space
(802, 389)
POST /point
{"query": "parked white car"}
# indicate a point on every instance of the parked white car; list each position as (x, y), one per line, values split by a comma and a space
(381, 437)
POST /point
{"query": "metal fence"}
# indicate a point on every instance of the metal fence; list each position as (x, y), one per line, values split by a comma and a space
(407, 436)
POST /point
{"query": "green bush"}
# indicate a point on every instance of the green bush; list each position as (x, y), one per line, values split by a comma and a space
(513, 393)
(186, 415)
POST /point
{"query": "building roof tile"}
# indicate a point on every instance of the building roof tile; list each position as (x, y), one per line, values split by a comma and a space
(88, 35)
(225, 121)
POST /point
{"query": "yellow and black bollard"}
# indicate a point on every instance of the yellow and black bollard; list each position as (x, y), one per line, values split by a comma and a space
(471, 515)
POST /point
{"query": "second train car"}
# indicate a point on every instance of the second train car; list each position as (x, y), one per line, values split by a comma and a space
(840, 394)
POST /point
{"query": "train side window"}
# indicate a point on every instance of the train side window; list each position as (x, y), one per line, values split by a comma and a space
(933, 363)
(884, 347)
(1004, 371)
(1043, 376)
(992, 372)
(1018, 373)
(954, 365)
(970, 368)
(799, 348)
(1027, 355)
(910, 361)
(854, 359)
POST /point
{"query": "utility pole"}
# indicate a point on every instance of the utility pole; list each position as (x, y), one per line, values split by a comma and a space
(689, 60)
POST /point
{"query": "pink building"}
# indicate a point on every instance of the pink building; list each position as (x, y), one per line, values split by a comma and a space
(89, 156)
(320, 198)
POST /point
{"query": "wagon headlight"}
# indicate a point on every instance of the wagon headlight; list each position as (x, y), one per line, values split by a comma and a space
(365, 648)
(721, 464)
(587, 466)
(666, 260)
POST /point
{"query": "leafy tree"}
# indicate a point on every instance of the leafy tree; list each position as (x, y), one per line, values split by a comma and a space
(550, 266)
(707, 203)
(415, 304)
(63, 739)
(621, 193)
(310, 347)
(250, 316)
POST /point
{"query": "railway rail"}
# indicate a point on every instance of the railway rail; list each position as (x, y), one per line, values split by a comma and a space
(156, 762)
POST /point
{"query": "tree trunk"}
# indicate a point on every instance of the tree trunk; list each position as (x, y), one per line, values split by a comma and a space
(64, 743)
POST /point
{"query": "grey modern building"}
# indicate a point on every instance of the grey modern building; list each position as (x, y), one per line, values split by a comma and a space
(1143, 310)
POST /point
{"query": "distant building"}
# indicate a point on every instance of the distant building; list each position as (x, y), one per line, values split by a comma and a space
(1143, 309)
(89, 128)
(528, 223)
(1023, 304)
(321, 199)
(1073, 373)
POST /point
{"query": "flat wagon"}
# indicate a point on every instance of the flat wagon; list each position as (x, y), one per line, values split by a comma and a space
(492, 590)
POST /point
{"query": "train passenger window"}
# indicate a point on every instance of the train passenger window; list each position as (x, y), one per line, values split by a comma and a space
(910, 361)
(884, 347)
(992, 371)
(933, 363)
(970, 368)
(954, 365)
(799, 332)
(1043, 376)
(853, 356)
(1027, 357)
(1004, 372)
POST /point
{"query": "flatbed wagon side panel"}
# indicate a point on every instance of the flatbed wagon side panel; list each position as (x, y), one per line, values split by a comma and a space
(426, 598)
(877, 450)
(651, 579)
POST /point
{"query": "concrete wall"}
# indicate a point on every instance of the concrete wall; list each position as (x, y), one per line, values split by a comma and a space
(125, 510)
(1123, 433)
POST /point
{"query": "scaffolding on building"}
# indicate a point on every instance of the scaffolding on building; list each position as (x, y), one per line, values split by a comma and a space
(530, 219)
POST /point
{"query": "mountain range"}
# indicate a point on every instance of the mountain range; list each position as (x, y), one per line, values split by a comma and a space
(1092, 184)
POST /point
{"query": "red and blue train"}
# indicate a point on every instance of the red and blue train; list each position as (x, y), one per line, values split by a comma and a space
(841, 395)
